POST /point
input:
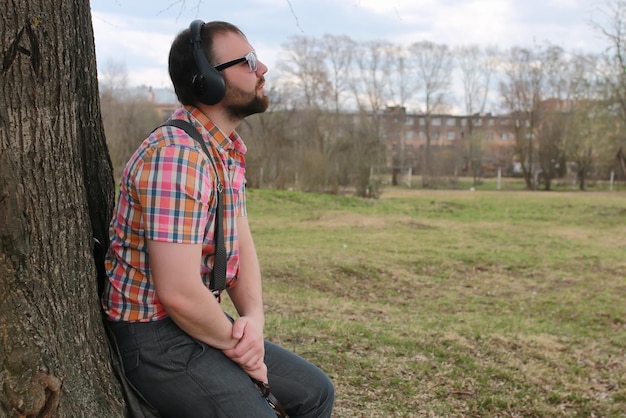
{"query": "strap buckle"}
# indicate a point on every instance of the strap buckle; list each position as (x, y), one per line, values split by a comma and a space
(217, 294)
(276, 406)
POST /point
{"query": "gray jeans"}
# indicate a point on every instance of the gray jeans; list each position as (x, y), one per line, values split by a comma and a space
(183, 377)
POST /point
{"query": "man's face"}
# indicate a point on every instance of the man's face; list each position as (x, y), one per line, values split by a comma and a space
(245, 89)
(240, 102)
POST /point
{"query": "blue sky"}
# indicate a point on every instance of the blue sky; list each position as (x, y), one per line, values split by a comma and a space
(138, 33)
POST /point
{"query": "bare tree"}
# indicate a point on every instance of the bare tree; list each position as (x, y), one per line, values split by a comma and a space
(339, 56)
(613, 29)
(128, 114)
(307, 77)
(371, 81)
(403, 83)
(591, 128)
(305, 71)
(477, 67)
(433, 64)
(589, 140)
(551, 122)
(620, 158)
(56, 192)
(521, 94)
(273, 164)
(403, 87)
(370, 87)
(550, 153)
(113, 79)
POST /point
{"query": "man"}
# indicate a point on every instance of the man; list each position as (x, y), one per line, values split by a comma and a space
(179, 349)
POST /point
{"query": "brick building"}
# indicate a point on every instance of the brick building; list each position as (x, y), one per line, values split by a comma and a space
(484, 139)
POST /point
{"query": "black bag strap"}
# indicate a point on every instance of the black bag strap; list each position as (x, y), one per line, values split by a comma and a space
(218, 275)
(276, 406)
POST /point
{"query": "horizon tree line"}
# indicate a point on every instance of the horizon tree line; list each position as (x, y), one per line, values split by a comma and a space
(305, 140)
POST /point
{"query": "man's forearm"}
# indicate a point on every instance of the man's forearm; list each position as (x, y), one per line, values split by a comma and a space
(203, 318)
(247, 295)
(248, 301)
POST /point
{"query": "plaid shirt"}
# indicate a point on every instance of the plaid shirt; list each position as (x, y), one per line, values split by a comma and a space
(167, 193)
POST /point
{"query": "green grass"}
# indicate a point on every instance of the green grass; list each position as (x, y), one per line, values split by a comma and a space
(451, 303)
(511, 184)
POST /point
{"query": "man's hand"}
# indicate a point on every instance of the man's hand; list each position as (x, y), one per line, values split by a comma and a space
(249, 353)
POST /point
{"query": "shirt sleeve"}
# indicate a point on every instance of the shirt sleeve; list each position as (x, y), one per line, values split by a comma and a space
(173, 187)
(241, 209)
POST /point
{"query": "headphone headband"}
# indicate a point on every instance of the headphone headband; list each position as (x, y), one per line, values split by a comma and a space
(208, 84)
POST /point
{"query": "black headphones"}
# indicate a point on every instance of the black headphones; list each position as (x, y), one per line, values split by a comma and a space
(208, 84)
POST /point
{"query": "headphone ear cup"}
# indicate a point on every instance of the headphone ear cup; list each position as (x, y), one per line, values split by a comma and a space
(209, 90)
(208, 84)
(207, 93)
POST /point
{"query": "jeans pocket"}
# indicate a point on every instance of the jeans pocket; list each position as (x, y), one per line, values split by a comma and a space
(183, 353)
(178, 346)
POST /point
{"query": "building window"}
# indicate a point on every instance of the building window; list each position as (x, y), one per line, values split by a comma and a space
(422, 122)
(504, 136)
(477, 122)
(436, 122)
(435, 135)
(422, 134)
(489, 136)
(451, 135)
(409, 134)
(451, 122)
(463, 122)
(409, 121)
(491, 122)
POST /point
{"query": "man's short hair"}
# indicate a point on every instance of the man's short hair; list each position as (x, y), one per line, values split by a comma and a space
(182, 65)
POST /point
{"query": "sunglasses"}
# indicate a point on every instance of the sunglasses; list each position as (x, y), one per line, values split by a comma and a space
(250, 57)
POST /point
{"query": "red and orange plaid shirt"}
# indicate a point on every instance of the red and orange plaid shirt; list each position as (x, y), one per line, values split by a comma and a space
(167, 193)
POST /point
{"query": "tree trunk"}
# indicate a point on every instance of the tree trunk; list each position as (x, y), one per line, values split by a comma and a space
(581, 180)
(56, 191)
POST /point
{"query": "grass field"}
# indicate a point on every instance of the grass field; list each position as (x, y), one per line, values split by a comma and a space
(452, 303)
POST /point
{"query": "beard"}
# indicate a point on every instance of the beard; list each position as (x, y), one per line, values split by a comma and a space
(240, 104)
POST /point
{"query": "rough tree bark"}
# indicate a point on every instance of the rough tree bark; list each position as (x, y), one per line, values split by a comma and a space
(56, 190)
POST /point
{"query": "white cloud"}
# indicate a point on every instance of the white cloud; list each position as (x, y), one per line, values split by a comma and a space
(132, 41)
(140, 32)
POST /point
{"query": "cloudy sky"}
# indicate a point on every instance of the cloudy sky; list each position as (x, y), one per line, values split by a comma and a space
(138, 33)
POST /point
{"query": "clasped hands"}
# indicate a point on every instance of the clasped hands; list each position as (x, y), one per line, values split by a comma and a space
(249, 353)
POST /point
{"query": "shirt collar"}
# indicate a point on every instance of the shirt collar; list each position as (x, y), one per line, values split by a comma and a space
(214, 133)
(222, 141)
